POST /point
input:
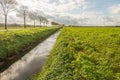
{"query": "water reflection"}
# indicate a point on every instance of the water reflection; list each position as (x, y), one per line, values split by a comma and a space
(31, 62)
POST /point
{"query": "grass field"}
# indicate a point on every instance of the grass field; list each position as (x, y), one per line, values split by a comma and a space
(13, 41)
(19, 27)
(84, 54)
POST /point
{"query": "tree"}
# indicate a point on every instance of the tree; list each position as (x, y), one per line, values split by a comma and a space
(6, 7)
(45, 21)
(40, 18)
(33, 16)
(55, 23)
(22, 12)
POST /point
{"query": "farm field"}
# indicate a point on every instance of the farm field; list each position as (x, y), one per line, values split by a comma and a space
(15, 41)
(84, 54)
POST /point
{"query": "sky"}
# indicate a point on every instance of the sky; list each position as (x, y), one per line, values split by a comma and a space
(73, 12)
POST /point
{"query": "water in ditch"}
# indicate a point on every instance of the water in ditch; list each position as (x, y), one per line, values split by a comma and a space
(31, 63)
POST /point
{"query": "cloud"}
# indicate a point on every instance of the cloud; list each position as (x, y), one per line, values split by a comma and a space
(64, 12)
(112, 20)
(86, 18)
(67, 5)
(115, 9)
(56, 10)
(61, 6)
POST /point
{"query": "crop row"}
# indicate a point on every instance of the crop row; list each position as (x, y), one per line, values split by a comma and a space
(84, 54)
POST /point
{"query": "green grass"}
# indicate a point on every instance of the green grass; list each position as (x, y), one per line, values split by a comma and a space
(12, 41)
(13, 27)
(84, 54)
(19, 27)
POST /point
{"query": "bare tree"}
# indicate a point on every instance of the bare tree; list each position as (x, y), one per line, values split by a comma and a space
(6, 7)
(22, 12)
(40, 19)
(45, 21)
(33, 16)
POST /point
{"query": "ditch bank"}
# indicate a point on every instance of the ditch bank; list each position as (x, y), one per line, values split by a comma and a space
(31, 63)
(6, 62)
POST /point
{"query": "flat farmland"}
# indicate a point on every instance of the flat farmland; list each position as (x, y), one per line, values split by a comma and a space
(84, 54)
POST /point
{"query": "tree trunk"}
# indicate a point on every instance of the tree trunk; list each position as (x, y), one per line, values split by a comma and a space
(40, 23)
(34, 23)
(24, 21)
(5, 22)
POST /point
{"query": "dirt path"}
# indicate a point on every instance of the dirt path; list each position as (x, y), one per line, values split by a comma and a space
(31, 62)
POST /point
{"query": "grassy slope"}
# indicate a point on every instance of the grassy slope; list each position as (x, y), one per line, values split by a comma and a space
(11, 42)
(84, 54)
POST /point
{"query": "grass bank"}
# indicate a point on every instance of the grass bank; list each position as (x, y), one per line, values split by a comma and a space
(15, 43)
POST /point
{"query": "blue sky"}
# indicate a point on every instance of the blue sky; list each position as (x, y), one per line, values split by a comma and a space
(97, 6)
(102, 5)
(76, 12)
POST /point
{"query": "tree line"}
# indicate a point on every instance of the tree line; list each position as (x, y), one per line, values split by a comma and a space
(23, 11)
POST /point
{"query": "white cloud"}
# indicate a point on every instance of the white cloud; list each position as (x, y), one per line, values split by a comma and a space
(61, 6)
(115, 9)
(58, 10)
(67, 5)
(86, 18)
